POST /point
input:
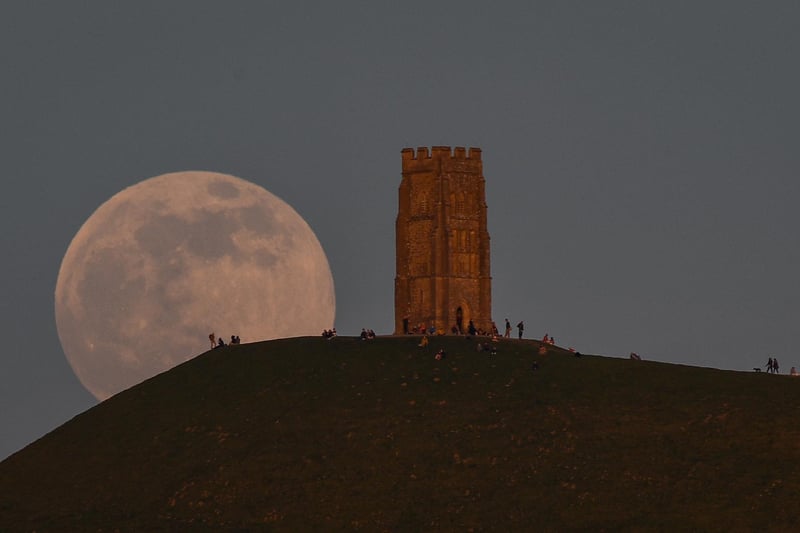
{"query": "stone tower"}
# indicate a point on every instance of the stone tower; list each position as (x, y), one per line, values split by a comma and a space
(443, 277)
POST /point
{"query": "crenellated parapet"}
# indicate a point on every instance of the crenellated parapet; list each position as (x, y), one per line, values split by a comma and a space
(423, 158)
(422, 152)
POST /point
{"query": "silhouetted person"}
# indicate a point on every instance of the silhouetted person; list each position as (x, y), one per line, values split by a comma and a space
(775, 366)
(520, 327)
(770, 366)
(508, 329)
(471, 328)
(220, 343)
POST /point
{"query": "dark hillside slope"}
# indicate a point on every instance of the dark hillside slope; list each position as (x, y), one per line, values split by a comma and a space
(305, 433)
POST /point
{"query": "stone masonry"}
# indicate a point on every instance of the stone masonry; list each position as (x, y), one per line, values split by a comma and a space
(443, 277)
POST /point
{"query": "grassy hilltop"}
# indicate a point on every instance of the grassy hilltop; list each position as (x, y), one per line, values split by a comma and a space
(308, 434)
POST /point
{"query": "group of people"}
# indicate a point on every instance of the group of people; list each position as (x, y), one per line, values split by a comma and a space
(218, 343)
(420, 329)
(366, 334)
(520, 329)
(457, 329)
(772, 366)
(472, 330)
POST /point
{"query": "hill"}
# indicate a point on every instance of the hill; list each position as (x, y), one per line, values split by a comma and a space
(302, 434)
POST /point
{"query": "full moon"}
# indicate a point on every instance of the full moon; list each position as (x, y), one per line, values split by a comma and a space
(167, 261)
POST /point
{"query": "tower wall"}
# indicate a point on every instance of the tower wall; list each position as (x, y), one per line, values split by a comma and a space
(443, 247)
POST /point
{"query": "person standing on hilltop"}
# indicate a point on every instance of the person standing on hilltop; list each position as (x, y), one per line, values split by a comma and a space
(213, 340)
(508, 329)
(520, 327)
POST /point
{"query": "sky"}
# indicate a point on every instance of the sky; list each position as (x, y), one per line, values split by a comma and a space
(640, 157)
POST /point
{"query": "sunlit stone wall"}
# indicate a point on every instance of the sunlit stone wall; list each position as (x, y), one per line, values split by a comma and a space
(443, 249)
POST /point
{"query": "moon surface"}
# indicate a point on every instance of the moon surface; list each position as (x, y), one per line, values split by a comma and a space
(167, 261)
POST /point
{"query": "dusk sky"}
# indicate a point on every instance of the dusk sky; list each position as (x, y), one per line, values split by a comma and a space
(641, 158)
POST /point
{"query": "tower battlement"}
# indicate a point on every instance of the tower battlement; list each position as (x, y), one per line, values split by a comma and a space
(422, 154)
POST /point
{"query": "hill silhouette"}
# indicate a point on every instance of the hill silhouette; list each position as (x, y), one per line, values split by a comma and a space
(308, 434)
